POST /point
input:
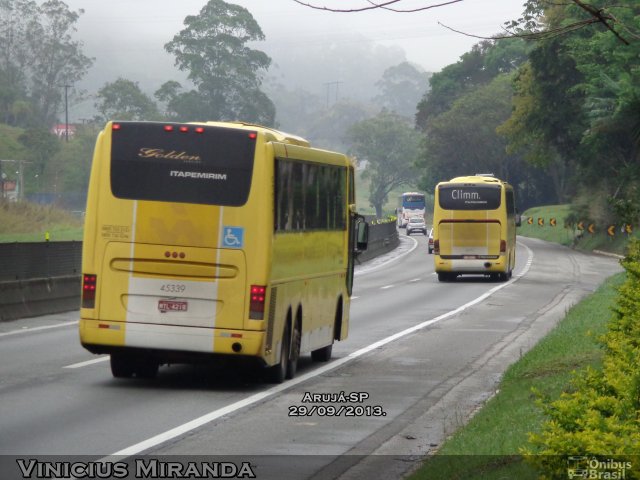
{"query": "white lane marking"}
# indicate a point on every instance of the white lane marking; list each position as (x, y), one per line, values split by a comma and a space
(387, 286)
(258, 397)
(37, 329)
(385, 259)
(88, 362)
(415, 280)
(353, 298)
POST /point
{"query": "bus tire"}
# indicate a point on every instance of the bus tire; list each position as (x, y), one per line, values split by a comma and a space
(122, 365)
(146, 368)
(446, 277)
(294, 354)
(278, 372)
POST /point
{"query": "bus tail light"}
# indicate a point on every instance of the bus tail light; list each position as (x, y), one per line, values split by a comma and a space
(436, 247)
(503, 246)
(89, 283)
(256, 305)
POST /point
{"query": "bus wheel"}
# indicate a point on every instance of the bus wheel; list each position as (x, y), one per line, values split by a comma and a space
(278, 373)
(444, 277)
(121, 365)
(146, 368)
(292, 363)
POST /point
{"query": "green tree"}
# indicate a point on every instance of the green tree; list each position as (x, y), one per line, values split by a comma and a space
(14, 55)
(40, 147)
(326, 128)
(227, 73)
(610, 82)
(548, 119)
(38, 57)
(475, 68)
(73, 161)
(401, 88)
(169, 97)
(463, 140)
(576, 104)
(390, 147)
(123, 100)
(57, 59)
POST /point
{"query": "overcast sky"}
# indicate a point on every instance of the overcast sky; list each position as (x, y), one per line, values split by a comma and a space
(144, 26)
(127, 37)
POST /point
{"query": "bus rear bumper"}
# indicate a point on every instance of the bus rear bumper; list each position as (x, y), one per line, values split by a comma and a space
(471, 266)
(100, 336)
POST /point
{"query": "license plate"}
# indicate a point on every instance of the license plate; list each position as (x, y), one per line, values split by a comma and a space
(172, 306)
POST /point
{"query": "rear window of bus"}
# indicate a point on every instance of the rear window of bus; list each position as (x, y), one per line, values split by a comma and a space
(469, 197)
(192, 164)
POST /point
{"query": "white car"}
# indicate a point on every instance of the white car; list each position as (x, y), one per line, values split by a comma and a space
(416, 224)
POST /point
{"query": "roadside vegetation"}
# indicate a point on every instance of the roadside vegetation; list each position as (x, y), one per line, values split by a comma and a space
(566, 231)
(30, 222)
(493, 443)
(574, 393)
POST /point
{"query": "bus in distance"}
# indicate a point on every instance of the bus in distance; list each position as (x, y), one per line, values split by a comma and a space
(214, 240)
(474, 228)
(410, 204)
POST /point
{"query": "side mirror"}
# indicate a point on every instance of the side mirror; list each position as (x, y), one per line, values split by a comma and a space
(518, 219)
(362, 234)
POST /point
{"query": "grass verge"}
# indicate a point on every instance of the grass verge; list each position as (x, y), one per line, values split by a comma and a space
(569, 236)
(558, 234)
(488, 447)
(30, 222)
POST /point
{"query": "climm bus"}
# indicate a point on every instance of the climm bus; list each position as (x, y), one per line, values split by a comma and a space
(410, 204)
(474, 228)
(207, 241)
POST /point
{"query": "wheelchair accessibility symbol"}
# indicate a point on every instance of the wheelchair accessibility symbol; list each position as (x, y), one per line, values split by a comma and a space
(233, 237)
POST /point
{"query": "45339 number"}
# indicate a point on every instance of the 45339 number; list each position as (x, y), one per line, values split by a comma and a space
(173, 288)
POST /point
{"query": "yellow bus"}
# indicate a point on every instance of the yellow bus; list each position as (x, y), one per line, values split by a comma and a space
(474, 228)
(205, 241)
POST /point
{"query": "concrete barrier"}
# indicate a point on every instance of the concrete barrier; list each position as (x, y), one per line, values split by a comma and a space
(383, 238)
(39, 296)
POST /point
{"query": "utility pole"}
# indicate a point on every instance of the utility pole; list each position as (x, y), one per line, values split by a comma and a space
(328, 85)
(66, 112)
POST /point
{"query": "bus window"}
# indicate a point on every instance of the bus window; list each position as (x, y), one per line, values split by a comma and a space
(212, 166)
(465, 197)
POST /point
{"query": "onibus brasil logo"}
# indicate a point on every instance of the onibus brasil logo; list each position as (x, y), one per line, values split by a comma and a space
(593, 467)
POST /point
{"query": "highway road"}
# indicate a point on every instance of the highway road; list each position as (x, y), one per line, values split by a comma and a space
(420, 358)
